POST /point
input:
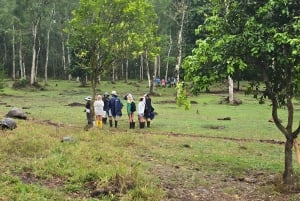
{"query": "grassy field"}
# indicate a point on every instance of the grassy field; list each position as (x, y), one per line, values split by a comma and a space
(185, 155)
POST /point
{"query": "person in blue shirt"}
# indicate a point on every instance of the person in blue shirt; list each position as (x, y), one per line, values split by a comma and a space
(115, 109)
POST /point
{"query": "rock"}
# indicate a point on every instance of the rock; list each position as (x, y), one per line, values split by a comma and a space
(68, 139)
(16, 113)
(237, 101)
(225, 118)
(8, 123)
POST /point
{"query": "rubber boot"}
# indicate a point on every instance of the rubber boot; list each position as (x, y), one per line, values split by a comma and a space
(116, 124)
(142, 124)
(110, 123)
(133, 125)
(130, 125)
(100, 124)
(148, 124)
(104, 120)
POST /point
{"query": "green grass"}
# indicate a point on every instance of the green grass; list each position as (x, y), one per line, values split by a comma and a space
(36, 165)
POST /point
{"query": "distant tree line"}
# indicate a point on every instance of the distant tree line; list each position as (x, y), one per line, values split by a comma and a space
(36, 44)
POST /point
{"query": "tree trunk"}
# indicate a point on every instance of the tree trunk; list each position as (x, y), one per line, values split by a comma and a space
(14, 54)
(286, 130)
(22, 67)
(230, 86)
(126, 70)
(169, 52)
(63, 52)
(182, 10)
(148, 73)
(158, 66)
(154, 73)
(69, 55)
(142, 68)
(34, 36)
(20, 61)
(47, 47)
(37, 59)
(113, 73)
(288, 161)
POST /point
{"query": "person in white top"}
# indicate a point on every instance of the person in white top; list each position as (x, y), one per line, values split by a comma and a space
(141, 109)
(99, 112)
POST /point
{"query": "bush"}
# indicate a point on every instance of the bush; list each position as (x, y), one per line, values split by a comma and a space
(22, 83)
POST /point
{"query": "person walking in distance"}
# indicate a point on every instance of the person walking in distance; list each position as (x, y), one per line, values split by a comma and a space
(98, 108)
(131, 108)
(106, 107)
(141, 109)
(115, 109)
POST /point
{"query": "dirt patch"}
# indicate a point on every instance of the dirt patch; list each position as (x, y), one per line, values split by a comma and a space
(117, 185)
(76, 104)
(166, 102)
(173, 102)
(179, 185)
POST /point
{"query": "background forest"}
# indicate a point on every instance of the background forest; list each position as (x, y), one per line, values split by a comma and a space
(36, 44)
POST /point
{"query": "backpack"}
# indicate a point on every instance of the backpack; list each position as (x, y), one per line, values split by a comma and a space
(133, 107)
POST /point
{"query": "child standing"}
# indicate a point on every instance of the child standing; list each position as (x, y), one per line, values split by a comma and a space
(141, 109)
(131, 108)
(98, 107)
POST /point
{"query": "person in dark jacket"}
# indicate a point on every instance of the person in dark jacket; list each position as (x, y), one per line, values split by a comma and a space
(115, 109)
(88, 112)
(106, 107)
(148, 109)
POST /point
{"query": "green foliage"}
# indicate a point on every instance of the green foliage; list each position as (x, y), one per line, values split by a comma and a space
(264, 36)
(22, 83)
(81, 72)
(182, 99)
(103, 33)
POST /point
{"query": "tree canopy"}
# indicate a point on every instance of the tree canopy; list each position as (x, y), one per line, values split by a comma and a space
(253, 34)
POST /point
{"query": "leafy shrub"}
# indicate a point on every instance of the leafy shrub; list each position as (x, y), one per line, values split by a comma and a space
(22, 83)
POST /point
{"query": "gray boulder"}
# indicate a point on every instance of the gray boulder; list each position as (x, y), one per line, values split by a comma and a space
(16, 113)
(8, 123)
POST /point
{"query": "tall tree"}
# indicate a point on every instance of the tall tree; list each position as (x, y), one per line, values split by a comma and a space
(51, 15)
(256, 34)
(102, 32)
(36, 11)
(182, 9)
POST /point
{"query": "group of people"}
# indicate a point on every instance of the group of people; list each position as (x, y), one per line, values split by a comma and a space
(106, 107)
(171, 82)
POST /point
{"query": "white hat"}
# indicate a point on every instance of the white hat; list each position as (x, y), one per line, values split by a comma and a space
(114, 93)
(88, 98)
